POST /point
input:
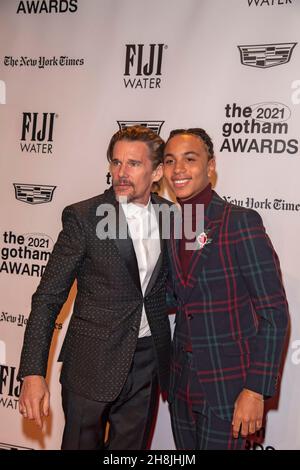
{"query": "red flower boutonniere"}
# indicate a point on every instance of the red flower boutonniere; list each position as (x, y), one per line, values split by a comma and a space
(203, 240)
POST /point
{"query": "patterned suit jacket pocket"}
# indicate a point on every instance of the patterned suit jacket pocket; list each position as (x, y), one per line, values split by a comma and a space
(82, 326)
(80, 332)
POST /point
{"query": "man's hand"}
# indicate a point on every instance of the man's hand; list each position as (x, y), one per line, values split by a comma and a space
(248, 413)
(34, 400)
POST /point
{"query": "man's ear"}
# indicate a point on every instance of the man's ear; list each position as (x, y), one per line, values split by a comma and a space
(158, 173)
(211, 167)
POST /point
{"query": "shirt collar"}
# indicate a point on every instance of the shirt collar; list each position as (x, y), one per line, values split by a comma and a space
(135, 211)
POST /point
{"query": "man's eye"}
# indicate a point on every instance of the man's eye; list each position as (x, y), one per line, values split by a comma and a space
(134, 163)
(168, 161)
(190, 159)
(115, 162)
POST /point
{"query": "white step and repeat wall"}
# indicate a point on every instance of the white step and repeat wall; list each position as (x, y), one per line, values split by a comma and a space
(72, 73)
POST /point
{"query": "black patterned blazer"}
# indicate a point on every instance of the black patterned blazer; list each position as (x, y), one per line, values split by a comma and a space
(101, 339)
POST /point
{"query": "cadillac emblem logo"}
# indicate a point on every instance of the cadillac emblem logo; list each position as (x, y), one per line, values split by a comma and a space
(154, 125)
(33, 193)
(266, 55)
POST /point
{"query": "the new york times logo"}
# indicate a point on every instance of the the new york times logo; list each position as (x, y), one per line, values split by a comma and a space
(47, 6)
(277, 204)
(42, 61)
(10, 387)
(37, 133)
(19, 320)
(143, 64)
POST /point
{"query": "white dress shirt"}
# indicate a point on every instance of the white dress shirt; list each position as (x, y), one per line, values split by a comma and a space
(144, 231)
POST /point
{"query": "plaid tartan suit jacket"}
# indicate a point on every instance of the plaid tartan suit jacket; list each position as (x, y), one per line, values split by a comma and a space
(231, 308)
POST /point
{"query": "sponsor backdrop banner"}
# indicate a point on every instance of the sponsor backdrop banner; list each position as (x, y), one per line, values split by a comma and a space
(72, 73)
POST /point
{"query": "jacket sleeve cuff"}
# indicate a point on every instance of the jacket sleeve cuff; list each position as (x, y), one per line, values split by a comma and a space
(266, 386)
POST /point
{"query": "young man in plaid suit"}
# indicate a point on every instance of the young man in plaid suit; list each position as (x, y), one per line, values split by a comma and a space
(232, 313)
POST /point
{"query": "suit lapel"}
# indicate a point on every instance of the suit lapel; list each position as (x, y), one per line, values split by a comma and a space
(124, 245)
(213, 218)
(155, 274)
(126, 248)
(214, 215)
(158, 265)
(173, 250)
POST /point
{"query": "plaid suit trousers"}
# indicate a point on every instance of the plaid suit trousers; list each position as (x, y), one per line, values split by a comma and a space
(195, 426)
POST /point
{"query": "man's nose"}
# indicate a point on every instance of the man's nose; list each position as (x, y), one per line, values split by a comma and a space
(179, 167)
(122, 170)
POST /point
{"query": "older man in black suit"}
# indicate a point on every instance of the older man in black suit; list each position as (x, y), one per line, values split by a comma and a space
(117, 346)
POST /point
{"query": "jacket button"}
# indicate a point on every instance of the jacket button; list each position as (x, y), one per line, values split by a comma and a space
(134, 328)
(190, 316)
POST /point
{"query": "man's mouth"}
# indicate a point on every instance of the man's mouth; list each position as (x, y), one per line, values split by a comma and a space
(122, 184)
(180, 182)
